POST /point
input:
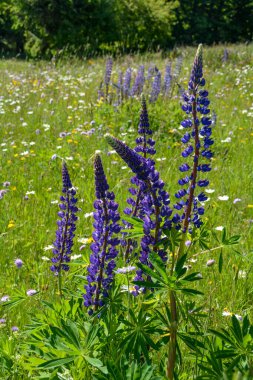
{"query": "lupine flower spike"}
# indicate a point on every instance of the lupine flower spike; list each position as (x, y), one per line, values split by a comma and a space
(104, 248)
(156, 86)
(197, 141)
(139, 82)
(154, 203)
(66, 226)
(107, 78)
(145, 146)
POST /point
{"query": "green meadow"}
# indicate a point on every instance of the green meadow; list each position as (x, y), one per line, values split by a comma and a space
(49, 112)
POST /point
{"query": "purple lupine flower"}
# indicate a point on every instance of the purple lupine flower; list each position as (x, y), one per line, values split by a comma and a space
(66, 225)
(178, 66)
(136, 162)
(108, 71)
(156, 86)
(107, 77)
(127, 83)
(167, 79)
(104, 248)
(153, 206)
(145, 144)
(139, 82)
(151, 72)
(197, 142)
(225, 55)
(120, 87)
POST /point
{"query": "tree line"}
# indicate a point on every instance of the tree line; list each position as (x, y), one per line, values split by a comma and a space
(47, 28)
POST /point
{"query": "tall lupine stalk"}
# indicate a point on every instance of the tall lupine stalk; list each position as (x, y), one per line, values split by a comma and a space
(145, 146)
(107, 77)
(127, 82)
(167, 79)
(156, 86)
(154, 205)
(66, 227)
(139, 82)
(104, 248)
(198, 143)
(120, 88)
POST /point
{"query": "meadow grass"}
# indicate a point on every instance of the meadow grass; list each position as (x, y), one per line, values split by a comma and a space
(46, 109)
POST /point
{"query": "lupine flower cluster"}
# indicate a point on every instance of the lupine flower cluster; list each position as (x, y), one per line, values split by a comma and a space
(66, 225)
(153, 81)
(197, 141)
(104, 248)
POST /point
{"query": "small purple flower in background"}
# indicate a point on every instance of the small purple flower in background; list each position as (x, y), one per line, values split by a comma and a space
(2, 321)
(139, 82)
(167, 79)
(107, 77)
(66, 225)
(127, 83)
(104, 247)
(236, 200)
(6, 184)
(156, 86)
(119, 88)
(19, 263)
(197, 141)
(31, 292)
(225, 55)
(108, 71)
(14, 329)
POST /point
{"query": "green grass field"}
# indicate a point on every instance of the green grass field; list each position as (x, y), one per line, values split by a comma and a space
(48, 109)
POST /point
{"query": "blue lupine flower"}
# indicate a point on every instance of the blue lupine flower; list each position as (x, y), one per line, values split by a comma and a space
(156, 86)
(198, 143)
(167, 79)
(139, 82)
(66, 225)
(108, 71)
(104, 248)
(153, 206)
(127, 82)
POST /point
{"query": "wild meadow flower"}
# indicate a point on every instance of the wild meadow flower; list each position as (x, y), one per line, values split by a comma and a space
(66, 225)
(14, 329)
(197, 142)
(19, 263)
(210, 263)
(31, 292)
(5, 298)
(104, 247)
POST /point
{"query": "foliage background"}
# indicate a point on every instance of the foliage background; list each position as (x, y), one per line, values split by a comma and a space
(46, 28)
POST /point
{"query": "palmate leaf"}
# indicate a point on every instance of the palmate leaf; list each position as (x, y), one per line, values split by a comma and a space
(55, 363)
